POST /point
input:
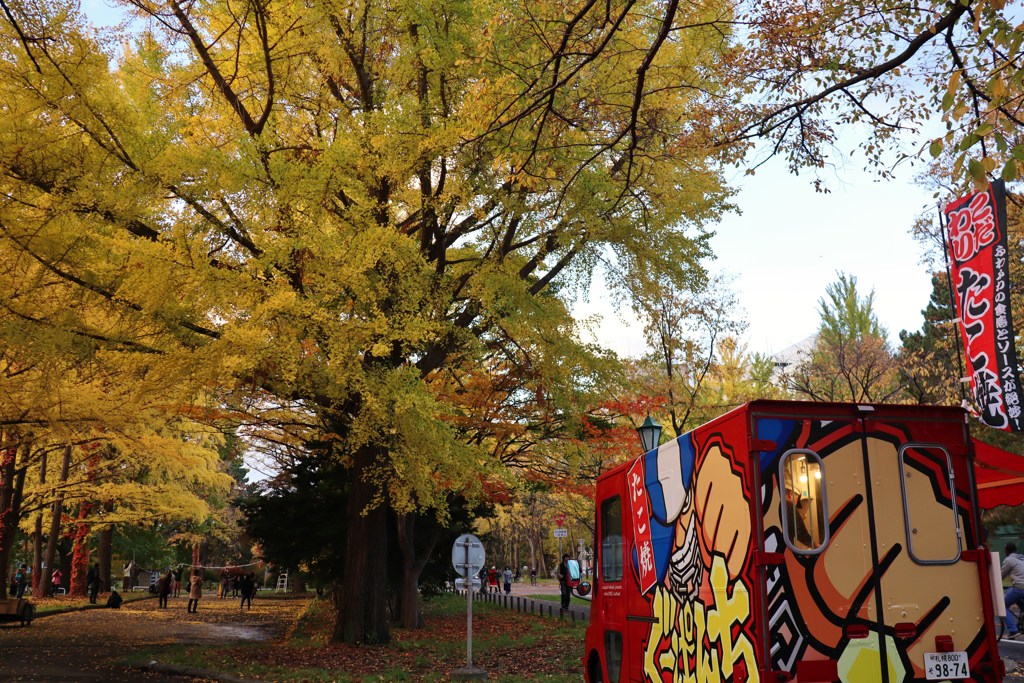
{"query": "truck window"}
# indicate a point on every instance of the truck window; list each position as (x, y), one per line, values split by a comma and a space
(930, 515)
(611, 539)
(802, 501)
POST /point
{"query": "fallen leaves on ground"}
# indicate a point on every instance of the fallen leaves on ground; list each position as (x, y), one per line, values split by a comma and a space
(440, 647)
(87, 644)
(507, 644)
(287, 639)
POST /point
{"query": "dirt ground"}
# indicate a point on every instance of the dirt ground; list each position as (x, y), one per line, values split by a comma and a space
(83, 646)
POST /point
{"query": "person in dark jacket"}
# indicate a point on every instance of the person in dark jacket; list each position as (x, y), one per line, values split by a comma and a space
(115, 600)
(21, 580)
(563, 581)
(163, 589)
(483, 581)
(247, 587)
(796, 509)
(92, 582)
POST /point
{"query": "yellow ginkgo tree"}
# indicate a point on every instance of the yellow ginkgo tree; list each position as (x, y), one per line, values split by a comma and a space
(325, 213)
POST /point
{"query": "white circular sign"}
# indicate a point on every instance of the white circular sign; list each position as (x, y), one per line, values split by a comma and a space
(475, 556)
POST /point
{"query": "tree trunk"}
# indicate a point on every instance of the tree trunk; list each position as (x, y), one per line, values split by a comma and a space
(37, 554)
(362, 616)
(7, 458)
(104, 555)
(19, 490)
(517, 544)
(409, 606)
(80, 552)
(11, 488)
(55, 518)
(37, 537)
(542, 559)
(413, 562)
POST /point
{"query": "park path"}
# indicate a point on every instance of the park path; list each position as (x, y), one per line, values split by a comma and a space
(519, 600)
(85, 646)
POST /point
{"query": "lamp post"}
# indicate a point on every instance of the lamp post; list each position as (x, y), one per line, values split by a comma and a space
(650, 434)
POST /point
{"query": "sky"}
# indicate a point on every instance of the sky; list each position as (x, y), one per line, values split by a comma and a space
(788, 244)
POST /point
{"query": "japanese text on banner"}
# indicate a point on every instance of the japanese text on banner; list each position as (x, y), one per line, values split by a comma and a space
(640, 508)
(980, 276)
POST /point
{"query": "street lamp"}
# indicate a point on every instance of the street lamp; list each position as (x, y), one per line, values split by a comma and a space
(650, 434)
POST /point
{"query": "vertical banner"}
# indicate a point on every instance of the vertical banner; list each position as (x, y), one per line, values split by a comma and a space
(641, 511)
(980, 274)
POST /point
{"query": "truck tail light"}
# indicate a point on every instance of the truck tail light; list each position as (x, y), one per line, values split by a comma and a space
(906, 630)
(852, 631)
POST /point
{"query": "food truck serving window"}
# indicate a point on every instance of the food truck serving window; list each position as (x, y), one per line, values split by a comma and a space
(611, 539)
(802, 501)
(929, 502)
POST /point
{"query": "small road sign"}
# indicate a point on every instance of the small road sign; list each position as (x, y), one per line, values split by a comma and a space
(561, 533)
(468, 549)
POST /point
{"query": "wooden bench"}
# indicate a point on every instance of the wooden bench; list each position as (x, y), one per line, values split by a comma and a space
(16, 610)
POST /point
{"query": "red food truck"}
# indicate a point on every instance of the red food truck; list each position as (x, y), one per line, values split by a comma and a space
(793, 541)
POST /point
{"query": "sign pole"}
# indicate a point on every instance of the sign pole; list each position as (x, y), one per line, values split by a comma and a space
(559, 521)
(469, 609)
(467, 562)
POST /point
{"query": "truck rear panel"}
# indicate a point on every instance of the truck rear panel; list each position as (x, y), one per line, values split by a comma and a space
(795, 541)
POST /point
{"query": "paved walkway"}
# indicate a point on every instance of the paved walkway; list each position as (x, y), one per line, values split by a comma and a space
(1012, 651)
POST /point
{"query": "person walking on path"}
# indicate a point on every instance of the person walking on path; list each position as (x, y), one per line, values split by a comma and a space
(247, 586)
(55, 579)
(177, 581)
(92, 582)
(533, 576)
(163, 589)
(225, 582)
(483, 581)
(195, 590)
(563, 582)
(21, 579)
(1013, 569)
(507, 576)
(492, 580)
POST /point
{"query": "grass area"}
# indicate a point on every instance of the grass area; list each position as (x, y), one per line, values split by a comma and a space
(271, 594)
(574, 600)
(510, 646)
(68, 603)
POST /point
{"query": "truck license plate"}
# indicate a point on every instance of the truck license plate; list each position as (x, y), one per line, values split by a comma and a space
(940, 666)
